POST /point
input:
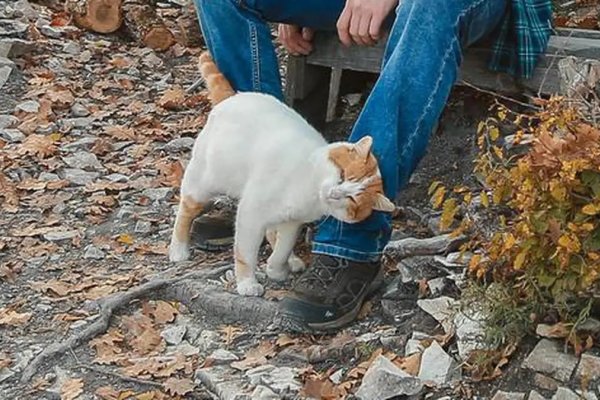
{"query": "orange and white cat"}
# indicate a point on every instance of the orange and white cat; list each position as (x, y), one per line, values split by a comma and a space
(258, 150)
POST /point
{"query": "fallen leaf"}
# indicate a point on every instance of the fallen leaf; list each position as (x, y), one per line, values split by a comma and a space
(125, 238)
(179, 387)
(410, 364)
(37, 145)
(164, 312)
(71, 389)
(107, 393)
(13, 318)
(172, 98)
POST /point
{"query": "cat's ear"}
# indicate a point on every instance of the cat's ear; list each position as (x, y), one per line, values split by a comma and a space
(382, 203)
(363, 146)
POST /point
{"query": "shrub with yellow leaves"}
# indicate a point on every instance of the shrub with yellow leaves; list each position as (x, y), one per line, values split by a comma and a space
(547, 248)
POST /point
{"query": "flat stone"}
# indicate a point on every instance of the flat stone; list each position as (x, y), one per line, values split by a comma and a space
(80, 122)
(79, 176)
(6, 373)
(442, 309)
(282, 380)
(117, 177)
(533, 395)
(413, 346)
(545, 382)
(157, 194)
(79, 110)
(255, 374)
(7, 121)
(264, 393)
(83, 160)
(384, 380)
(187, 349)
(12, 135)
(589, 367)
(564, 393)
(399, 290)
(83, 143)
(221, 356)
(14, 47)
(48, 177)
(184, 143)
(4, 75)
(143, 227)
(501, 395)
(6, 62)
(72, 48)
(437, 285)
(125, 212)
(92, 252)
(22, 360)
(173, 334)
(437, 366)
(50, 31)
(590, 325)
(547, 357)
(221, 381)
(57, 236)
(29, 106)
(470, 331)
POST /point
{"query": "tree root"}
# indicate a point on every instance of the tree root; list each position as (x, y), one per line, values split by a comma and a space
(108, 305)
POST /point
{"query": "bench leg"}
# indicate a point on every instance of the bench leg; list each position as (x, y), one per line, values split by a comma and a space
(306, 89)
(334, 91)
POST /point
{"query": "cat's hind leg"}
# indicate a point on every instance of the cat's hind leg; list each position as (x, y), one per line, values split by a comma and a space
(249, 234)
(282, 240)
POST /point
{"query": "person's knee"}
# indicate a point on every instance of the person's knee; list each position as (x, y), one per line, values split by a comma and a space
(447, 13)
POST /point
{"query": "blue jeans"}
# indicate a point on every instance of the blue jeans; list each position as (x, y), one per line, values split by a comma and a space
(420, 66)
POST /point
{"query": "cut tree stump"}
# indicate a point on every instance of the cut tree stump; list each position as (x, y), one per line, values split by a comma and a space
(146, 26)
(102, 16)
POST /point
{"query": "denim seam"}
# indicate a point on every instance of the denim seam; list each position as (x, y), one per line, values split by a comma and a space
(255, 57)
(354, 255)
(413, 135)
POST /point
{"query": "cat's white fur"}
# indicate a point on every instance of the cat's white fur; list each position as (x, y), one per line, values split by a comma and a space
(258, 150)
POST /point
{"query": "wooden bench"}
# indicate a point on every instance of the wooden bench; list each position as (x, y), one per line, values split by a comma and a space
(324, 68)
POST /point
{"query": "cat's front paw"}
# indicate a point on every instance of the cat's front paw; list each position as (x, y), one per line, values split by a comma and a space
(178, 251)
(250, 287)
(279, 273)
(296, 264)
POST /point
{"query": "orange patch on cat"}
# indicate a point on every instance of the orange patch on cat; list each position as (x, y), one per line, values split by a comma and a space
(357, 163)
(242, 270)
(189, 209)
(218, 86)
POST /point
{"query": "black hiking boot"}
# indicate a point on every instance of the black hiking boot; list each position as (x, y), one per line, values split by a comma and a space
(214, 230)
(329, 294)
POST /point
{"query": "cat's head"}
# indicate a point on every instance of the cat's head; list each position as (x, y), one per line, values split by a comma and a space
(354, 188)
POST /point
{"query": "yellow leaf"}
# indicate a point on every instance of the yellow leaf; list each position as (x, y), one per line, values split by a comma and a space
(438, 197)
(55, 137)
(125, 238)
(570, 243)
(448, 213)
(494, 133)
(480, 127)
(558, 191)
(485, 201)
(474, 263)
(498, 152)
(434, 185)
(520, 260)
(145, 396)
(591, 209)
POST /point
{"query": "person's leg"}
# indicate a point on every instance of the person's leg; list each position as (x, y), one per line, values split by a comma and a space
(421, 62)
(239, 38)
(420, 66)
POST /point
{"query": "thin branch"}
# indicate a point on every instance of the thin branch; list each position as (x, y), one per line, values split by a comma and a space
(498, 95)
(119, 376)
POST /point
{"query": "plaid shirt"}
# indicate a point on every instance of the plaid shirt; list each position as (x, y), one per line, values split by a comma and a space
(522, 37)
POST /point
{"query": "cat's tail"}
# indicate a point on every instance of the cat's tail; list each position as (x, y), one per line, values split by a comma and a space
(218, 86)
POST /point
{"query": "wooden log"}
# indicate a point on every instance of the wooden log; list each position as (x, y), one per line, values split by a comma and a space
(102, 16)
(146, 26)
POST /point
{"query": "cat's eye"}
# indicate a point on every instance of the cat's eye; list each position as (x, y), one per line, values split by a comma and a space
(341, 180)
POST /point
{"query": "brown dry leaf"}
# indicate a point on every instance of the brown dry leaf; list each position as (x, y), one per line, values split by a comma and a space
(120, 132)
(61, 98)
(179, 387)
(285, 340)
(410, 364)
(172, 98)
(556, 331)
(5, 360)
(13, 318)
(365, 310)
(275, 294)
(37, 145)
(230, 332)
(318, 388)
(107, 346)
(71, 389)
(9, 192)
(171, 173)
(164, 312)
(108, 393)
(54, 286)
(256, 356)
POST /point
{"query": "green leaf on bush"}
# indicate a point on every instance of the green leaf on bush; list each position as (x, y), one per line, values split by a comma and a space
(592, 242)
